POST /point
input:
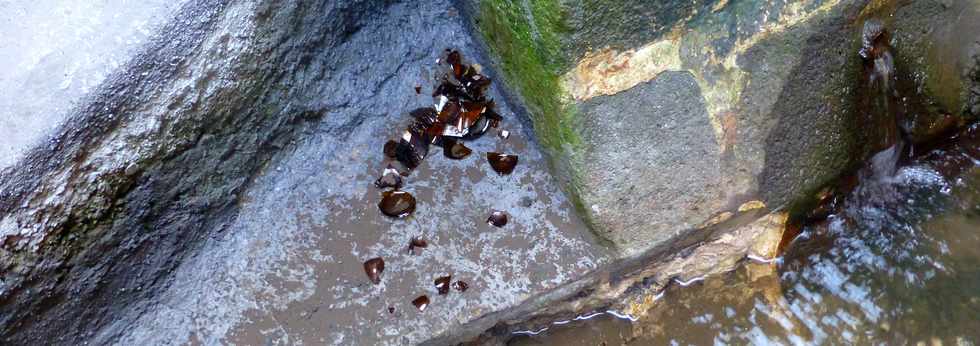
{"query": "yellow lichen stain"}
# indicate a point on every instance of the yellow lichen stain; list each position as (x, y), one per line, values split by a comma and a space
(723, 254)
(750, 205)
(638, 308)
(720, 5)
(729, 132)
(608, 71)
(769, 235)
(714, 220)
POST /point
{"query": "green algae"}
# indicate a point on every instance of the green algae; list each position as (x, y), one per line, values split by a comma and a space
(526, 38)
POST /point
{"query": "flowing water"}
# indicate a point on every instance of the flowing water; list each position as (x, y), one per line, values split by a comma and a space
(896, 262)
(894, 258)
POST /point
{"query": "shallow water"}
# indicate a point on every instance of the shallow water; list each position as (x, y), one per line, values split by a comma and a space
(897, 262)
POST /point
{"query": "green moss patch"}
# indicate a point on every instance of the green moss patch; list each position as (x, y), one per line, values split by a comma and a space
(526, 38)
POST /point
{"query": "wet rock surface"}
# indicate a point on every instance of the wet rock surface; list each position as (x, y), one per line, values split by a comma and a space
(652, 165)
(220, 186)
(779, 83)
(55, 53)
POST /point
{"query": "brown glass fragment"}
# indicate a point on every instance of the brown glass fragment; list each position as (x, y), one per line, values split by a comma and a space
(389, 178)
(469, 115)
(454, 149)
(397, 203)
(478, 129)
(373, 268)
(425, 121)
(460, 286)
(442, 284)
(391, 309)
(417, 242)
(421, 303)
(502, 163)
(398, 166)
(456, 61)
(450, 111)
(450, 90)
(418, 89)
(423, 114)
(497, 218)
(389, 148)
(492, 115)
(412, 148)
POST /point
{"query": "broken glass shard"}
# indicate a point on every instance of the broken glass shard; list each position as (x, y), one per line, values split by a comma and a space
(412, 148)
(421, 303)
(454, 149)
(397, 204)
(497, 218)
(389, 178)
(389, 148)
(442, 284)
(373, 268)
(416, 242)
(502, 163)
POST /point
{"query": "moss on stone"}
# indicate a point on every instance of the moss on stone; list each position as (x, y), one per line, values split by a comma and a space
(528, 47)
(526, 37)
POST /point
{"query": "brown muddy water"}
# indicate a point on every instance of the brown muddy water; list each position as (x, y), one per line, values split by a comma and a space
(896, 262)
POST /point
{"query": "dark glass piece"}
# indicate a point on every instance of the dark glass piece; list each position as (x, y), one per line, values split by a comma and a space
(397, 203)
(423, 113)
(373, 268)
(450, 111)
(478, 129)
(418, 89)
(502, 163)
(424, 121)
(417, 242)
(391, 309)
(454, 149)
(421, 303)
(493, 116)
(398, 166)
(442, 284)
(475, 83)
(470, 113)
(497, 218)
(456, 61)
(412, 148)
(461, 286)
(389, 178)
(450, 90)
(389, 148)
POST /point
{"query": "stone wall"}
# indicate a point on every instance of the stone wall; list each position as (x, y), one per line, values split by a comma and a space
(672, 113)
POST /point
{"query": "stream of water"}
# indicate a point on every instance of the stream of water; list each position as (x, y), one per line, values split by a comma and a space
(896, 262)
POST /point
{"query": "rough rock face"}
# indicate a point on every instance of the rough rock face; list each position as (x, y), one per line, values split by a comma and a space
(56, 52)
(218, 186)
(778, 84)
(937, 51)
